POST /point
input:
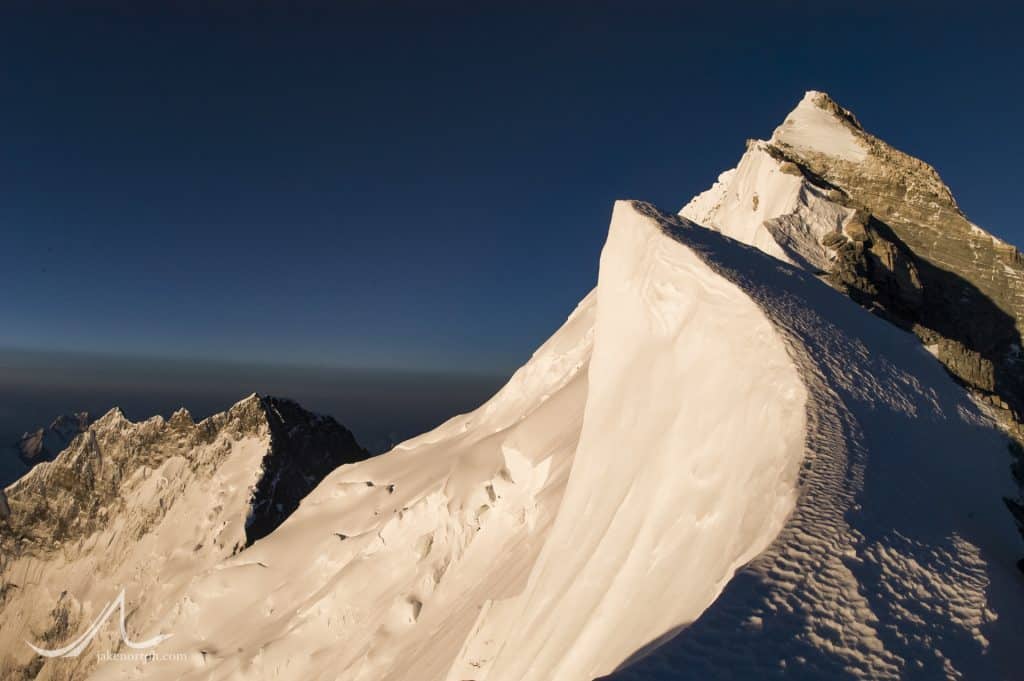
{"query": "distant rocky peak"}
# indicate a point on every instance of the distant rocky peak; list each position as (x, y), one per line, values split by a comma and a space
(829, 140)
(113, 418)
(148, 502)
(77, 422)
(84, 486)
(46, 443)
(181, 418)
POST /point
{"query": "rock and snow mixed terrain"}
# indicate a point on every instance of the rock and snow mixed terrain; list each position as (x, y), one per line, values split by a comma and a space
(898, 560)
(143, 507)
(718, 467)
(881, 226)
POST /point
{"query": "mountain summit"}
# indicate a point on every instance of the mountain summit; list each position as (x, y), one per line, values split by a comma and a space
(41, 444)
(880, 225)
(720, 466)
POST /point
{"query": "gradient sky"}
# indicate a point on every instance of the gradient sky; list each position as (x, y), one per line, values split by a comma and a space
(391, 186)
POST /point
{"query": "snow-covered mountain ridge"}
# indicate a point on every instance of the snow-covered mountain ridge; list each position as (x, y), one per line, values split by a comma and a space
(715, 446)
(142, 507)
(718, 467)
(883, 227)
(896, 562)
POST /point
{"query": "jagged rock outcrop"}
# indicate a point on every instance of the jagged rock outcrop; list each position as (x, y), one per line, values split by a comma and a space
(141, 505)
(893, 239)
(304, 448)
(882, 227)
(932, 270)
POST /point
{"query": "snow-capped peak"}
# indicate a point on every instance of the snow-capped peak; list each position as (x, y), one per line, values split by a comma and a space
(705, 406)
(819, 125)
(714, 445)
(113, 416)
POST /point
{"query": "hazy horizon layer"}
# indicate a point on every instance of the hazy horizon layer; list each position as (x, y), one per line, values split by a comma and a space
(381, 406)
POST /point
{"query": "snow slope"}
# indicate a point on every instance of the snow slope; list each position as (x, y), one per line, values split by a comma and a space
(897, 562)
(706, 410)
(686, 466)
(173, 521)
(810, 127)
(767, 204)
(382, 571)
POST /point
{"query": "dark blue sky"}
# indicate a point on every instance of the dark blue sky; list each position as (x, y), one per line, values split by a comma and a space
(427, 189)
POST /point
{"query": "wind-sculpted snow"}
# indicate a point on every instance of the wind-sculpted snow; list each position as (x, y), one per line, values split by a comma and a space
(718, 467)
(769, 204)
(898, 560)
(383, 569)
(437, 560)
(686, 468)
(707, 411)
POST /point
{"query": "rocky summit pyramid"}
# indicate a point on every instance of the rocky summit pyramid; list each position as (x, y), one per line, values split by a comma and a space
(718, 467)
(881, 226)
(828, 196)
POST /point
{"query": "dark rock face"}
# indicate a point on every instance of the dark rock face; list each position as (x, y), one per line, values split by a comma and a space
(879, 271)
(304, 448)
(913, 257)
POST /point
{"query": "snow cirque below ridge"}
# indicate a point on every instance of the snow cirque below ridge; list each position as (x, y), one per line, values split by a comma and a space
(707, 409)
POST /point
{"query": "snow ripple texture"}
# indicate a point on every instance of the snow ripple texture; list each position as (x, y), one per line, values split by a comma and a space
(896, 563)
